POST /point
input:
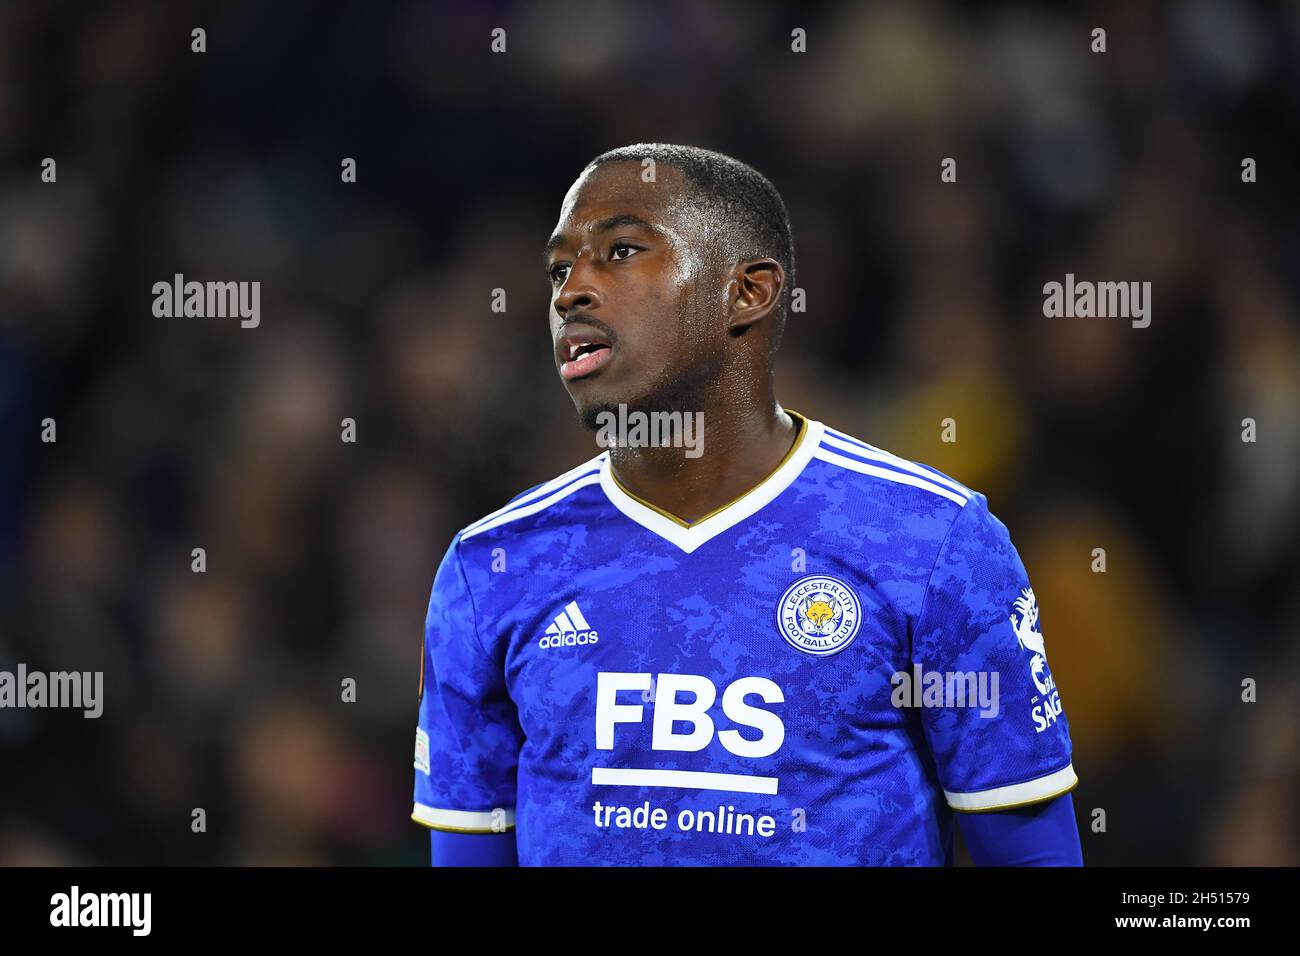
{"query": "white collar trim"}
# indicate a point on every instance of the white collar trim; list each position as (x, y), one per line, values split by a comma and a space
(692, 537)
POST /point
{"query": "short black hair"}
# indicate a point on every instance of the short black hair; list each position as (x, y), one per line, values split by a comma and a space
(736, 195)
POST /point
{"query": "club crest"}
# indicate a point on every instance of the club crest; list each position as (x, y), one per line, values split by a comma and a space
(819, 615)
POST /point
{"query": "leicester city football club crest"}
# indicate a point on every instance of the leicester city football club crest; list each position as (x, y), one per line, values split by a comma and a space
(819, 615)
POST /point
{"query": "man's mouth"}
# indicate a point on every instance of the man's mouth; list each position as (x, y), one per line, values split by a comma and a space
(584, 358)
(581, 347)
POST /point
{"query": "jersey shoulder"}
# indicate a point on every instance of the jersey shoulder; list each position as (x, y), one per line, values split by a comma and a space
(539, 499)
(874, 466)
(916, 521)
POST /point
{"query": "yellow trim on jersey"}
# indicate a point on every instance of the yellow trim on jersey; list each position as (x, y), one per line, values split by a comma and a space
(446, 829)
(462, 821)
(798, 440)
(1023, 803)
(1017, 806)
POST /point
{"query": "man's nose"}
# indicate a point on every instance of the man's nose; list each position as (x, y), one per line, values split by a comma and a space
(579, 290)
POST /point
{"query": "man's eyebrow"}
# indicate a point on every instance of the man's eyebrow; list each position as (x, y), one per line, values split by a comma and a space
(602, 225)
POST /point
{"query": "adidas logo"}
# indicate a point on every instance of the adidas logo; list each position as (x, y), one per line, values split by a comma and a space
(569, 628)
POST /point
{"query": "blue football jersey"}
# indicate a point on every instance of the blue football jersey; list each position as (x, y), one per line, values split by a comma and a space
(819, 673)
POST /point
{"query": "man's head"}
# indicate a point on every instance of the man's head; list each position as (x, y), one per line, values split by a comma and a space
(669, 280)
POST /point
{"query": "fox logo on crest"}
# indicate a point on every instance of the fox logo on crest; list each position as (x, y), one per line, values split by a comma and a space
(820, 610)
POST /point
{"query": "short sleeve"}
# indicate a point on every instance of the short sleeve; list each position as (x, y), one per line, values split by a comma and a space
(978, 632)
(468, 737)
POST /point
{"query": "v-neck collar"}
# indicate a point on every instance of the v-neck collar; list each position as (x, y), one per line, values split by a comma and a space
(688, 537)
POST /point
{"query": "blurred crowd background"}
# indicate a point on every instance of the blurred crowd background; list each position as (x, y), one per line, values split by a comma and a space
(924, 303)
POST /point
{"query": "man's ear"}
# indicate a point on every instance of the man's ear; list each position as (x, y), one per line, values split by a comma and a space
(754, 291)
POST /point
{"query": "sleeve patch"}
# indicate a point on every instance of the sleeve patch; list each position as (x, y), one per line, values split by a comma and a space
(421, 750)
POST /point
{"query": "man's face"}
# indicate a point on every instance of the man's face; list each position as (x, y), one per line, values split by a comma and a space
(637, 310)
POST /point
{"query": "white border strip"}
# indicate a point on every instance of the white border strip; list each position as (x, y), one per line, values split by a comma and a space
(1017, 794)
(471, 821)
(690, 538)
(867, 451)
(684, 779)
(591, 479)
(889, 475)
(536, 493)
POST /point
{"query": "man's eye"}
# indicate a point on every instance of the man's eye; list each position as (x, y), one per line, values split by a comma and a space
(555, 273)
(620, 247)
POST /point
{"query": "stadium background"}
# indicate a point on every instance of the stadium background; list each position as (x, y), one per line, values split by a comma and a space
(222, 689)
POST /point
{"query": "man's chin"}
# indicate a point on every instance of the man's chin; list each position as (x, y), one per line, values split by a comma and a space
(591, 414)
(596, 401)
(595, 415)
(592, 400)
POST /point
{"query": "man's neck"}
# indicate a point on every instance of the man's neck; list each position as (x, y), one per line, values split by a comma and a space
(739, 452)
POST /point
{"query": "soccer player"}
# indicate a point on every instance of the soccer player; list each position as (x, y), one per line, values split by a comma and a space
(777, 645)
